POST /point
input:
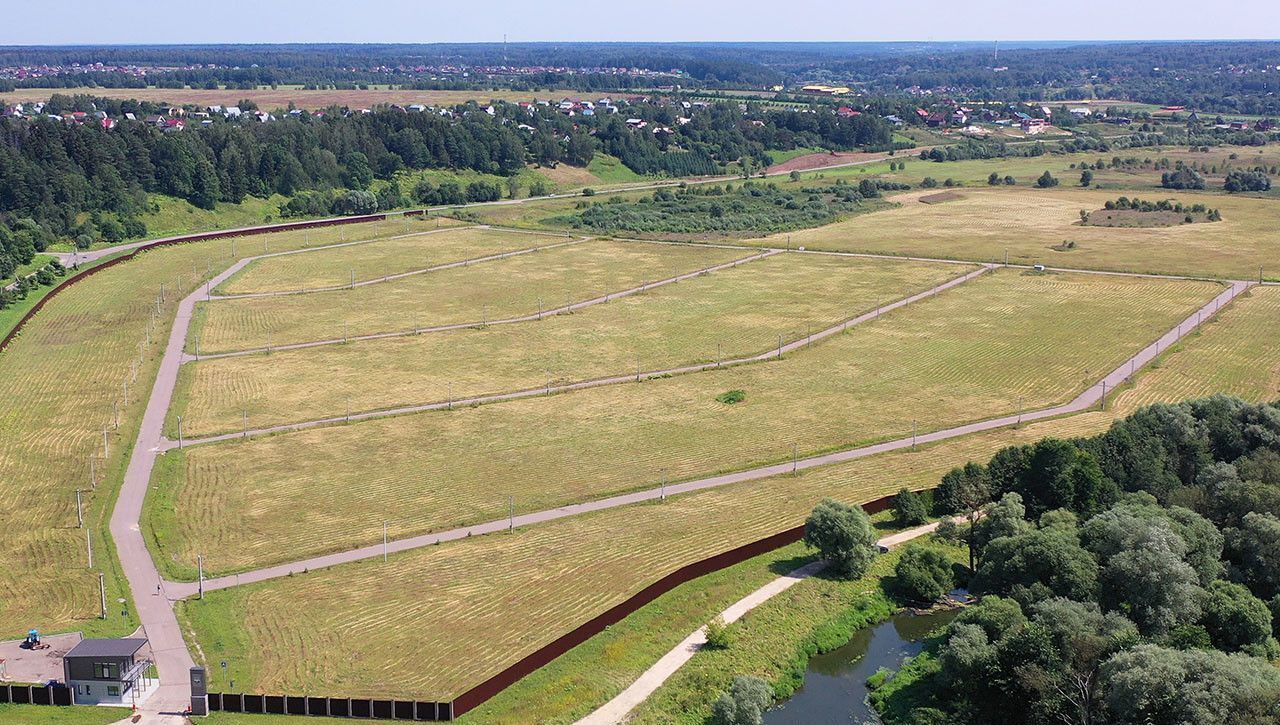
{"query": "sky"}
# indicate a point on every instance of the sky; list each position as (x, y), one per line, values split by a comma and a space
(93, 22)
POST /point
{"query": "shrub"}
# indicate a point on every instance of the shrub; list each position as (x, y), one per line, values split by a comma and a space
(922, 575)
(909, 509)
(732, 396)
(718, 635)
(744, 704)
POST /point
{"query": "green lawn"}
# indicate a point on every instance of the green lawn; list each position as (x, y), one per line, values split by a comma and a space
(74, 715)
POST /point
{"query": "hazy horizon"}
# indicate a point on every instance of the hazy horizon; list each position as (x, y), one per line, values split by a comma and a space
(79, 22)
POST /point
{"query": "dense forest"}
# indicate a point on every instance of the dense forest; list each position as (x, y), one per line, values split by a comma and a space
(1132, 577)
(61, 180)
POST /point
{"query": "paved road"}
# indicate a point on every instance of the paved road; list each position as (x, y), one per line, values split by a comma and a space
(617, 709)
(1085, 400)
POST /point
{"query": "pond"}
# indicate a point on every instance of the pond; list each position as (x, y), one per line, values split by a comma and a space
(835, 685)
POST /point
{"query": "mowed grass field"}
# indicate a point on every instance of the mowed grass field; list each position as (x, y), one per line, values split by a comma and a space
(984, 223)
(492, 290)
(559, 574)
(64, 378)
(968, 354)
(728, 314)
(390, 247)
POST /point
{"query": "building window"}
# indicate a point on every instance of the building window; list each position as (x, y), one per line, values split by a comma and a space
(86, 689)
(113, 691)
(105, 670)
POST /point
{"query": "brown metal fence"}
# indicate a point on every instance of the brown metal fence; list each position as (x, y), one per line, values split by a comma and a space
(310, 705)
(202, 237)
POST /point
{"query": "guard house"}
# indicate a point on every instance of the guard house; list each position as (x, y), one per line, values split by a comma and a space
(108, 671)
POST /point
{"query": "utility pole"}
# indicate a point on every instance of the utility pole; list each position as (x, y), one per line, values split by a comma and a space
(88, 545)
(244, 418)
(102, 595)
(779, 347)
(79, 512)
(200, 570)
(179, 431)
(384, 542)
(93, 473)
(795, 460)
(913, 435)
(105, 446)
(511, 525)
(664, 485)
(1102, 402)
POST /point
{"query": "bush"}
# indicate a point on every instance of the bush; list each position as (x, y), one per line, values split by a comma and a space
(922, 575)
(1046, 180)
(588, 191)
(909, 509)
(1238, 180)
(732, 396)
(718, 635)
(744, 704)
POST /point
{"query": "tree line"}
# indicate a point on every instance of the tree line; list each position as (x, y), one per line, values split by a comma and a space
(77, 181)
(1132, 577)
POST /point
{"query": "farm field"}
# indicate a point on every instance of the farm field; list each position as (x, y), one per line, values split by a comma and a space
(727, 314)
(420, 243)
(69, 367)
(567, 570)
(490, 290)
(983, 223)
(968, 354)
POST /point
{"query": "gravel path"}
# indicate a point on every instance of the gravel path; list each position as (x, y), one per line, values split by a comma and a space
(617, 709)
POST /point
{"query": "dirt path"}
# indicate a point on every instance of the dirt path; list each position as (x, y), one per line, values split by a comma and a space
(617, 709)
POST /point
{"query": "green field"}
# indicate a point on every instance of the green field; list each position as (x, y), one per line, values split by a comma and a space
(491, 290)
(984, 223)
(411, 243)
(725, 315)
(968, 354)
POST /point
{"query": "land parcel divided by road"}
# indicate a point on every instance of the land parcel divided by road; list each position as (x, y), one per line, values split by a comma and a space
(559, 574)
(982, 223)
(732, 313)
(981, 349)
(491, 290)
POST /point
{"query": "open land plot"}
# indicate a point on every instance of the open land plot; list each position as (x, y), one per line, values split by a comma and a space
(968, 354)
(64, 378)
(728, 314)
(1029, 223)
(492, 290)
(562, 573)
(419, 244)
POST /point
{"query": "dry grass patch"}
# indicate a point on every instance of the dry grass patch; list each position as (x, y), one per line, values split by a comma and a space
(728, 314)
(969, 354)
(564, 572)
(491, 290)
(61, 381)
(1029, 222)
(399, 246)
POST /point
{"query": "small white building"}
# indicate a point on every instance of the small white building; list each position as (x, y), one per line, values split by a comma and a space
(108, 671)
